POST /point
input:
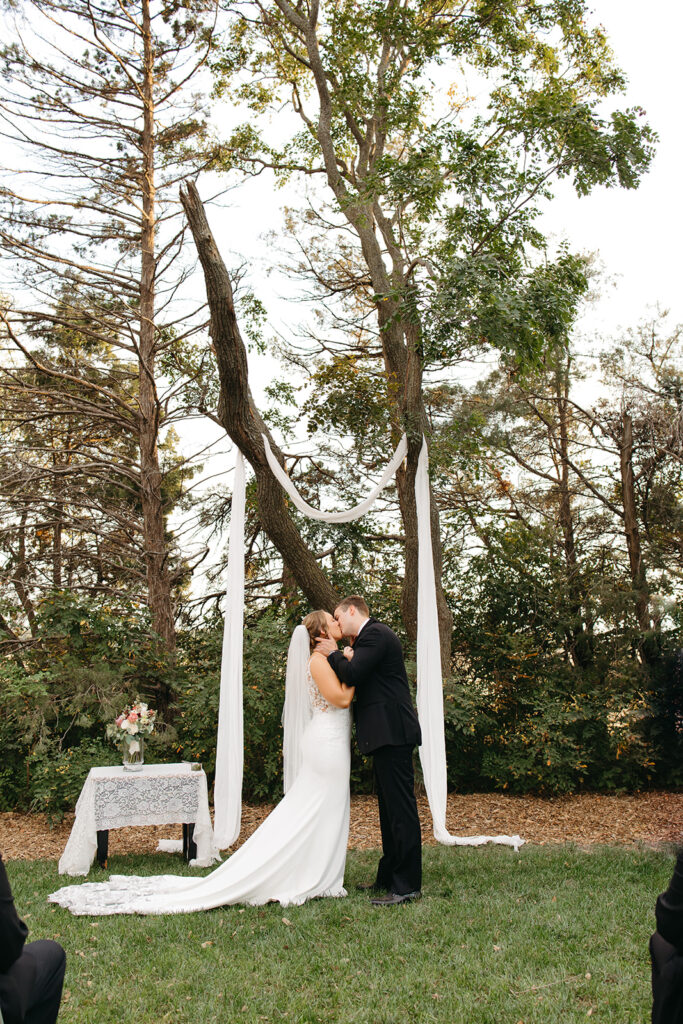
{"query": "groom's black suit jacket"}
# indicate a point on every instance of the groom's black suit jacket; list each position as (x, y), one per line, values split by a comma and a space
(383, 708)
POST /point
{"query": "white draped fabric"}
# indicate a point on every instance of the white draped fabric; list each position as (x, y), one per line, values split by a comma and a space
(227, 796)
(336, 517)
(429, 679)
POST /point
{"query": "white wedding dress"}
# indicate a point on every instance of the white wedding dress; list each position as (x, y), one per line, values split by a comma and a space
(296, 854)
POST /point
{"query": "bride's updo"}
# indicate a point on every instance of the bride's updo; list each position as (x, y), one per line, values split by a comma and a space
(316, 624)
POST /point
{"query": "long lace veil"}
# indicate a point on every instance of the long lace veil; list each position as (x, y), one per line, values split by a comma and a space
(296, 713)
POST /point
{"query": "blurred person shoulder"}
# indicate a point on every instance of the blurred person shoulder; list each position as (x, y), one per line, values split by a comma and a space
(13, 931)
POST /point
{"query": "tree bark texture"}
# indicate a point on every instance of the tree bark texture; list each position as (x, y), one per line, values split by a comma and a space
(19, 575)
(154, 527)
(238, 413)
(631, 530)
(580, 642)
(57, 529)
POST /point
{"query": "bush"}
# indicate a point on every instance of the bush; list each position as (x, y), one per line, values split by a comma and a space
(57, 775)
(86, 663)
(521, 715)
(13, 781)
(518, 715)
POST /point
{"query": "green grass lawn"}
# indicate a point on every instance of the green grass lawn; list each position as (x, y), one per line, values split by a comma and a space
(547, 934)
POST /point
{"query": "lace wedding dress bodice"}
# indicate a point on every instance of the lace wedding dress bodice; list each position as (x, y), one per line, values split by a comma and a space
(315, 697)
(297, 853)
(320, 705)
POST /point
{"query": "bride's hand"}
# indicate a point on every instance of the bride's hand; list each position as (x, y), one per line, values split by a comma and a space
(348, 653)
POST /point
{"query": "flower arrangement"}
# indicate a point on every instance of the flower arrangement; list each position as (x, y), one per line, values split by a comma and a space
(128, 730)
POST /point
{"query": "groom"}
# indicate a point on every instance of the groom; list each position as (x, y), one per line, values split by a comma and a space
(386, 727)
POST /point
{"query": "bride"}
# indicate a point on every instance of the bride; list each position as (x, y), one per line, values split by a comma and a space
(299, 851)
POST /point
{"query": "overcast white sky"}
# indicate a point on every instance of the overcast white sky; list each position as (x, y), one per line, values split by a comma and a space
(638, 234)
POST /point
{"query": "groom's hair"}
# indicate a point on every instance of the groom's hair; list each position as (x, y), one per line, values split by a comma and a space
(358, 602)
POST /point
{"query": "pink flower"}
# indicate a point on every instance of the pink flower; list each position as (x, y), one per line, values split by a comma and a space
(133, 716)
(120, 719)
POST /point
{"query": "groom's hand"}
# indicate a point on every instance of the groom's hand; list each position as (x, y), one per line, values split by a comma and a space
(325, 645)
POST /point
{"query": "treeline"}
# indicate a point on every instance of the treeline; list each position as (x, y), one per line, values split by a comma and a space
(555, 478)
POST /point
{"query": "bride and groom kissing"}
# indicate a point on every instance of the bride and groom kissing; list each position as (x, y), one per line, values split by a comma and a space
(386, 728)
(299, 851)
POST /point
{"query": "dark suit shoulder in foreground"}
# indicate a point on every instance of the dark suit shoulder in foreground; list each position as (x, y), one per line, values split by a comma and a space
(669, 908)
(13, 931)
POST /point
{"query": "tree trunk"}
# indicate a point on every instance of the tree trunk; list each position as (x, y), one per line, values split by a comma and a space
(240, 417)
(580, 643)
(400, 335)
(416, 425)
(158, 577)
(243, 423)
(631, 531)
(19, 574)
(58, 524)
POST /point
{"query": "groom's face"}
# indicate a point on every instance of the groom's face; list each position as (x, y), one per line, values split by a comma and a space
(348, 619)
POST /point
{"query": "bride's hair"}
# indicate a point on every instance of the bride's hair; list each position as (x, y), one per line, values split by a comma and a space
(316, 624)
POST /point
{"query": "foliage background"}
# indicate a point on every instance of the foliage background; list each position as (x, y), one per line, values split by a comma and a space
(514, 719)
(561, 506)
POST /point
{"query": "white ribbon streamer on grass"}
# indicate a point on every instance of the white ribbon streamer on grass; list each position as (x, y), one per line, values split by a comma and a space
(429, 679)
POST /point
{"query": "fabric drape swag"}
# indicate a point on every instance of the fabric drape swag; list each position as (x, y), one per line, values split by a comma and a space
(229, 754)
(227, 794)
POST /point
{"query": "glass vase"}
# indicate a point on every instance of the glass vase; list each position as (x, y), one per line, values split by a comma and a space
(133, 753)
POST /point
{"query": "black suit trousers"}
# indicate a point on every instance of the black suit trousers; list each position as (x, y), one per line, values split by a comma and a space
(38, 977)
(400, 868)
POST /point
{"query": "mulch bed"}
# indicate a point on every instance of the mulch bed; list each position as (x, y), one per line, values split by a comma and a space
(650, 818)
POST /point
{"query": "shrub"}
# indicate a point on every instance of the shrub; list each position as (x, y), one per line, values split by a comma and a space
(86, 662)
(58, 774)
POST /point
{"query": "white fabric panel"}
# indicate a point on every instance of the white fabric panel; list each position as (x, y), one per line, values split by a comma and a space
(335, 517)
(227, 795)
(429, 679)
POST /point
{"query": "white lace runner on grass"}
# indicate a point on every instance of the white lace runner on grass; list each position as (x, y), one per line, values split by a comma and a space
(159, 794)
(429, 678)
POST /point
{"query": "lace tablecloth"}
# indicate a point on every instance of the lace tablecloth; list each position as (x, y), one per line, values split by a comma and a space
(159, 794)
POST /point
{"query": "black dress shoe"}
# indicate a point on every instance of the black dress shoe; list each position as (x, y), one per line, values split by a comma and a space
(392, 899)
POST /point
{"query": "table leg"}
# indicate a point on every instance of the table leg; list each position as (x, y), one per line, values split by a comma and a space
(102, 846)
(189, 845)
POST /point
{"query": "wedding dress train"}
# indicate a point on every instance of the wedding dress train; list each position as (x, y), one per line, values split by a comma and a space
(296, 854)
